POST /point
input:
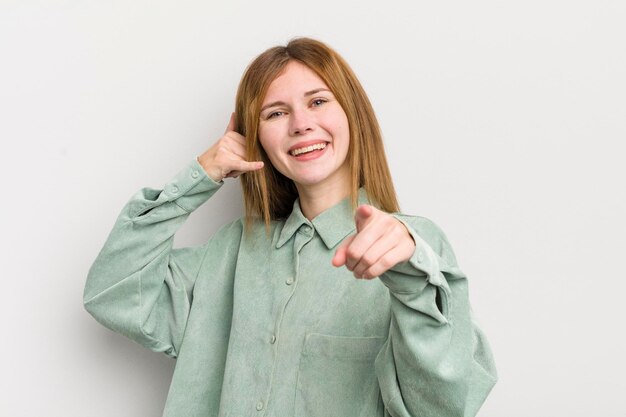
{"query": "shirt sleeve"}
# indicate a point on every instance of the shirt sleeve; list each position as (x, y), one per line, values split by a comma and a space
(436, 361)
(138, 285)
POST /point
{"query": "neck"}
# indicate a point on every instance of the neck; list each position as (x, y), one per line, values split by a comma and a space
(316, 198)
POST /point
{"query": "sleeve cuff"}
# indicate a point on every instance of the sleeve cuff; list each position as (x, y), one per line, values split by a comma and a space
(189, 189)
(424, 263)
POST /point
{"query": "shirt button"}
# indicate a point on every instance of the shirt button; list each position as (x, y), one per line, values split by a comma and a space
(289, 281)
(273, 339)
(194, 174)
(306, 229)
(420, 256)
(174, 190)
(259, 405)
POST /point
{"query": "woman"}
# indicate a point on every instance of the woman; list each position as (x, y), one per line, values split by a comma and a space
(267, 317)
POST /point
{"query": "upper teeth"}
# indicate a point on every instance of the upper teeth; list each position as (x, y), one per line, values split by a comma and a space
(310, 148)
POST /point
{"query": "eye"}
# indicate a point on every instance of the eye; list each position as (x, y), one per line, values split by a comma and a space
(318, 102)
(274, 114)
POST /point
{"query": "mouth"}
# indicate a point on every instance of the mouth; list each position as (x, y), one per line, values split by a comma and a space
(306, 148)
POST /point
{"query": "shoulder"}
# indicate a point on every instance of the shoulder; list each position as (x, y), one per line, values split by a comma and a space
(229, 232)
(432, 234)
(235, 233)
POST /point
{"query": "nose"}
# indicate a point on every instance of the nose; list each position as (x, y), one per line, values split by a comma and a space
(300, 122)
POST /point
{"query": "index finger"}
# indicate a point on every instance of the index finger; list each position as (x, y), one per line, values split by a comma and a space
(363, 216)
(341, 256)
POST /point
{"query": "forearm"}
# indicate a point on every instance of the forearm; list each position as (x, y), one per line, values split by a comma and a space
(138, 285)
(435, 361)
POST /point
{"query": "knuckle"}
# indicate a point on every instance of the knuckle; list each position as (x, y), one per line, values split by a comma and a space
(386, 262)
(352, 253)
(368, 259)
(221, 150)
(372, 272)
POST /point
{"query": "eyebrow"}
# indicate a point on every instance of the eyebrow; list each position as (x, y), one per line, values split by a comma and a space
(282, 103)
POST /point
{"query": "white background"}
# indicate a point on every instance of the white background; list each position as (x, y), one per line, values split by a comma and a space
(504, 123)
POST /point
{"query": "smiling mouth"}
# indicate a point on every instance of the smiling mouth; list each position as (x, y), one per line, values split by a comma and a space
(307, 149)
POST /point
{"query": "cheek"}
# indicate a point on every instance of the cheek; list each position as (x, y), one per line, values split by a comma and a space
(265, 136)
(339, 122)
(342, 134)
(270, 142)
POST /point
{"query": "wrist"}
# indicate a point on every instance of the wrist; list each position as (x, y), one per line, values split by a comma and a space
(211, 173)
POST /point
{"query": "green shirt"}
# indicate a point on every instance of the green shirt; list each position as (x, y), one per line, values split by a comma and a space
(264, 325)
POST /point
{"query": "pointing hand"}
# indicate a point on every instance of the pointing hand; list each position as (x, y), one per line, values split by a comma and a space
(381, 241)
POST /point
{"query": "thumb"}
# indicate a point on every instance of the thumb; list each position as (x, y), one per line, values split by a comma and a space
(341, 252)
(363, 213)
(231, 123)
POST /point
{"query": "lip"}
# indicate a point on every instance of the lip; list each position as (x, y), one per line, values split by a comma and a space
(305, 144)
(310, 156)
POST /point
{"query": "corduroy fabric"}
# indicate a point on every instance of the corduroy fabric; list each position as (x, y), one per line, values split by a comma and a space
(266, 326)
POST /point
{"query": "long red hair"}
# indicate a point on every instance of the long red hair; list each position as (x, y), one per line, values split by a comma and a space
(269, 195)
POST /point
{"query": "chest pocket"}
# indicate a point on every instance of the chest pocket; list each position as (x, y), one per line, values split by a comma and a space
(336, 377)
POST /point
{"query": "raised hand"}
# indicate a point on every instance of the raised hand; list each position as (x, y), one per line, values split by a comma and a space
(381, 241)
(227, 156)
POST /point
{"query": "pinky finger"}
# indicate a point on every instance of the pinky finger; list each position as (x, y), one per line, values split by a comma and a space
(234, 174)
(245, 166)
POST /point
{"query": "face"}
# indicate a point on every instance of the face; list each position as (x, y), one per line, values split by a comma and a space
(304, 130)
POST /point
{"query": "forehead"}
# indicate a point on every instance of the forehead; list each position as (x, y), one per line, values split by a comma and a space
(295, 79)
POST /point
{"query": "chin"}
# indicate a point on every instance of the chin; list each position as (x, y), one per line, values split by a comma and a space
(317, 175)
(308, 177)
(308, 181)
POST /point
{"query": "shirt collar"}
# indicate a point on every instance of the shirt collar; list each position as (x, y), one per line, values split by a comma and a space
(333, 224)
